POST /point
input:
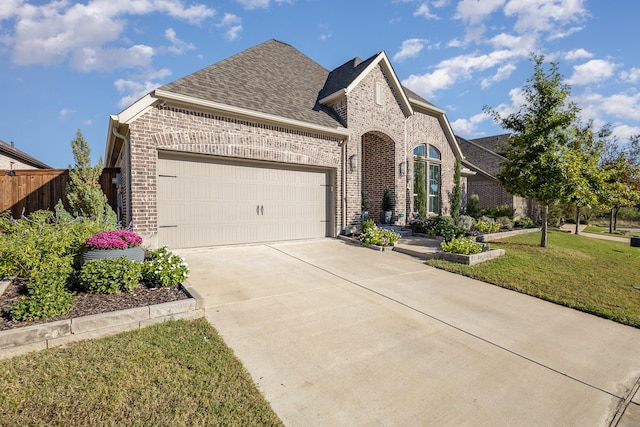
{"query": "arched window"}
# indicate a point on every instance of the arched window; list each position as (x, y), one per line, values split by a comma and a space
(430, 159)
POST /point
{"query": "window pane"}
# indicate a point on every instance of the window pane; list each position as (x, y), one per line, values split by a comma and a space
(434, 189)
(419, 151)
(433, 153)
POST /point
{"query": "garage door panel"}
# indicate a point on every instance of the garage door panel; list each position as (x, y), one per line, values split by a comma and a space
(203, 203)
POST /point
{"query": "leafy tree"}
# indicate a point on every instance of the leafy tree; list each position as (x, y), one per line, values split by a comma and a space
(420, 199)
(535, 157)
(83, 191)
(621, 166)
(585, 179)
(456, 195)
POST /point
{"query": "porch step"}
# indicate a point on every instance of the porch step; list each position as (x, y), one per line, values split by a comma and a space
(403, 232)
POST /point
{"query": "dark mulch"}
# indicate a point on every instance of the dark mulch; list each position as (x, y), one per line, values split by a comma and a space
(86, 304)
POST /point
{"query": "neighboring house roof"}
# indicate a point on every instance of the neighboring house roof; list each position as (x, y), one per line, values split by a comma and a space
(8, 150)
(480, 158)
(272, 77)
(495, 143)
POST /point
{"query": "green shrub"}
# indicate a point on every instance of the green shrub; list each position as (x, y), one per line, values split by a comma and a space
(34, 243)
(498, 211)
(443, 226)
(487, 225)
(505, 222)
(473, 206)
(466, 222)
(462, 245)
(372, 235)
(47, 295)
(525, 222)
(164, 268)
(110, 275)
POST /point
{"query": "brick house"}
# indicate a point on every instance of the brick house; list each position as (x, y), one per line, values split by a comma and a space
(485, 156)
(13, 159)
(268, 145)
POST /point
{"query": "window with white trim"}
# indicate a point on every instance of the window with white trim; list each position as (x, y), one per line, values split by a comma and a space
(430, 159)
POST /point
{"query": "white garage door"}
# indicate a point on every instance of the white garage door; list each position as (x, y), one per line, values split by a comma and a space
(204, 203)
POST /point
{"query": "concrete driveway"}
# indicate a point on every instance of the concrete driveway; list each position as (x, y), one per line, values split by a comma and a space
(340, 335)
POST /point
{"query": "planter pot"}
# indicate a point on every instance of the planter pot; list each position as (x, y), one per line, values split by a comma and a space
(136, 254)
(388, 216)
(364, 216)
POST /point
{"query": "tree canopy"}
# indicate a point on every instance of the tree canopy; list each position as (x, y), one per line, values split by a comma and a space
(541, 135)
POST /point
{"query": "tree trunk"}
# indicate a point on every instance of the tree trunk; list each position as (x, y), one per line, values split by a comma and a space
(545, 215)
(615, 218)
(611, 221)
(577, 219)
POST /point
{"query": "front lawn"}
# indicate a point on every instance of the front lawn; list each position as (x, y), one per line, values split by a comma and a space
(593, 275)
(173, 374)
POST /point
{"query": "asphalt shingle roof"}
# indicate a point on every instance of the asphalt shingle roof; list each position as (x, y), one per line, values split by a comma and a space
(10, 151)
(487, 161)
(273, 78)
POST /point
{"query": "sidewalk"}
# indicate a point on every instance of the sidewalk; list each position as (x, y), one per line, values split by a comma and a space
(571, 228)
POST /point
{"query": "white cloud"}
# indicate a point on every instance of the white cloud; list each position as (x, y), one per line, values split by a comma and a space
(133, 90)
(559, 34)
(178, 46)
(544, 15)
(232, 25)
(595, 70)
(475, 11)
(503, 73)
(423, 10)
(89, 35)
(631, 76)
(467, 127)
(624, 132)
(576, 54)
(440, 3)
(462, 67)
(254, 4)
(65, 112)
(624, 106)
(410, 49)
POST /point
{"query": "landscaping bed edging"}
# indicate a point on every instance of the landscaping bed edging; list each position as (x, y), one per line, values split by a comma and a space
(14, 342)
(358, 242)
(469, 259)
(489, 237)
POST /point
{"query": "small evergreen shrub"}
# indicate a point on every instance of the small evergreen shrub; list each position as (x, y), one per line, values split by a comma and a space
(110, 275)
(525, 222)
(47, 295)
(164, 268)
(473, 206)
(462, 245)
(466, 222)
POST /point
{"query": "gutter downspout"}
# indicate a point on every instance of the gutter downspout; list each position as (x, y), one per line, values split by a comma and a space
(343, 225)
(127, 167)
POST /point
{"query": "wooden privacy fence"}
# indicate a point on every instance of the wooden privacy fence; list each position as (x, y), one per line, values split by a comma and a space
(30, 190)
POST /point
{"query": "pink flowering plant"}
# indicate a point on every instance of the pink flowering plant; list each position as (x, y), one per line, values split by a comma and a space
(114, 239)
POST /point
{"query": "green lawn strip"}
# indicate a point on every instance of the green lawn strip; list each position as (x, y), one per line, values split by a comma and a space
(593, 275)
(177, 373)
(597, 229)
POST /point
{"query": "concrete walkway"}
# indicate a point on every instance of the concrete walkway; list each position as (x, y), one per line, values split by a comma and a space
(339, 335)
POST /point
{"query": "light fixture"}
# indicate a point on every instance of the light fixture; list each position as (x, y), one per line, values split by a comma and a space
(353, 162)
(403, 168)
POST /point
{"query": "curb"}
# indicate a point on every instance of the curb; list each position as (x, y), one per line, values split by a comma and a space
(15, 342)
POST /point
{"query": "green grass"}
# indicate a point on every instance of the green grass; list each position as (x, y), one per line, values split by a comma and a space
(173, 374)
(593, 275)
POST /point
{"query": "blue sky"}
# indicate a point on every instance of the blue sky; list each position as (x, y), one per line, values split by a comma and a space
(69, 65)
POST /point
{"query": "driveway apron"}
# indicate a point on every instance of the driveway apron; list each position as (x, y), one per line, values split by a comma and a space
(341, 335)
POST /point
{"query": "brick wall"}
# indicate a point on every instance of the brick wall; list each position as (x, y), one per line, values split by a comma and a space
(166, 128)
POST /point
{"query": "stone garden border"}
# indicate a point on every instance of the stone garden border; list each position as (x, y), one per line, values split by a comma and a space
(14, 342)
(468, 259)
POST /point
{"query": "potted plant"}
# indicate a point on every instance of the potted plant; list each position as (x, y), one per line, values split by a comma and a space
(387, 207)
(113, 244)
